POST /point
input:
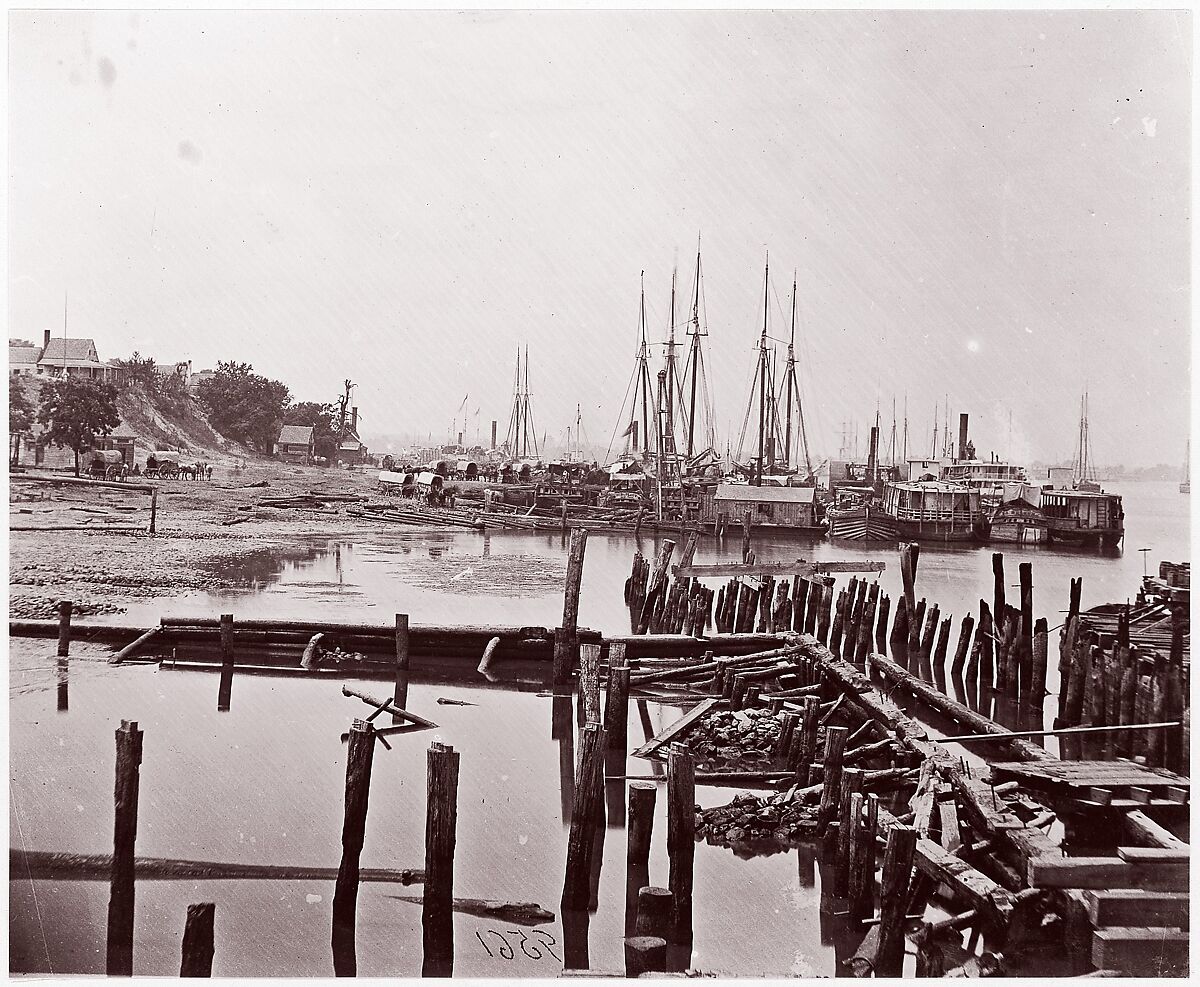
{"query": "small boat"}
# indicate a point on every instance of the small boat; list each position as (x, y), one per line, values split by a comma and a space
(863, 521)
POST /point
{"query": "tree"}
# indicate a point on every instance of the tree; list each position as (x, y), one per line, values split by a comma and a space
(75, 410)
(20, 417)
(320, 417)
(243, 405)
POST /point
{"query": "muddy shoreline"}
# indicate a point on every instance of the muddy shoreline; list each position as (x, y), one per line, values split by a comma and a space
(104, 572)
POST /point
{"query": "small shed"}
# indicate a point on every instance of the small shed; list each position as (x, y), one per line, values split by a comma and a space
(295, 444)
(785, 507)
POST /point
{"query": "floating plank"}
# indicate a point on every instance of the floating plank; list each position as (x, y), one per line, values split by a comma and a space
(669, 733)
(1142, 952)
(1126, 907)
(801, 567)
(1105, 873)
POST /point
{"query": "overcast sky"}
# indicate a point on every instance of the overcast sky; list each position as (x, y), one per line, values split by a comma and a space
(989, 206)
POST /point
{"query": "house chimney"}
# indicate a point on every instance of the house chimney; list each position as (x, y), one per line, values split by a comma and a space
(493, 433)
(45, 340)
(962, 436)
(354, 420)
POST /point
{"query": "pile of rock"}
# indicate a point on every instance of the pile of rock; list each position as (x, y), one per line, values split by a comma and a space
(743, 738)
(336, 656)
(758, 825)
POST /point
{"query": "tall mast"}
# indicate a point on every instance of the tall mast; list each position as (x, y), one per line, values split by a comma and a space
(762, 369)
(645, 373)
(695, 357)
(905, 463)
(790, 373)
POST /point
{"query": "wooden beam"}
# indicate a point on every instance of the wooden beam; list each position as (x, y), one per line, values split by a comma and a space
(1127, 907)
(1144, 831)
(665, 736)
(800, 567)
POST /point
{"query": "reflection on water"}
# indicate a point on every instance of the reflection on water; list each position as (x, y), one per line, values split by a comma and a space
(513, 577)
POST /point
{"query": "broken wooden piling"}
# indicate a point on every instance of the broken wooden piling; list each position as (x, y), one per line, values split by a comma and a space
(681, 839)
(227, 661)
(345, 896)
(198, 941)
(893, 897)
(642, 796)
(585, 819)
(64, 627)
(119, 953)
(400, 693)
(441, 823)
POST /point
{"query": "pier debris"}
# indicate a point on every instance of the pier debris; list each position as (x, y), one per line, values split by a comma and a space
(517, 912)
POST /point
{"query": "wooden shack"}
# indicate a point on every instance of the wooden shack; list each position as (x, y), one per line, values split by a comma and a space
(780, 507)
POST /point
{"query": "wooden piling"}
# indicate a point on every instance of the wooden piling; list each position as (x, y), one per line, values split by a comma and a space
(345, 895)
(800, 588)
(441, 823)
(893, 896)
(839, 621)
(644, 954)
(1040, 654)
(807, 750)
(823, 615)
(681, 838)
(225, 688)
(881, 629)
(400, 693)
(153, 509)
(964, 644)
(64, 627)
(119, 959)
(1066, 646)
(655, 589)
(589, 682)
(746, 537)
(909, 554)
(585, 819)
(1025, 664)
(943, 644)
(852, 780)
(564, 657)
(862, 857)
(866, 626)
(898, 639)
(642, 796)
(656, 912)
(198, 941)
(998, 602)
(916, 625)
(835, 743)
(927, 639)
(616, 707)
(986, 637)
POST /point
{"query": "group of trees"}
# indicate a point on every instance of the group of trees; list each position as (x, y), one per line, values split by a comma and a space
(241, 405)
(169, 390)
(245, 406)
(74, 411)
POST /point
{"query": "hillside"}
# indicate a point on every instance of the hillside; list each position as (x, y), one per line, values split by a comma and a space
(154, 423)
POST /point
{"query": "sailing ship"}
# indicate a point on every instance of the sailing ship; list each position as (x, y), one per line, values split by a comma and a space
(776, 494)
(1081, 513)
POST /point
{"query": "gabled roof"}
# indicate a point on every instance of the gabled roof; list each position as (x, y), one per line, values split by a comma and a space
(23, 354)
(68, 349)
(765, 495)
(298, 435)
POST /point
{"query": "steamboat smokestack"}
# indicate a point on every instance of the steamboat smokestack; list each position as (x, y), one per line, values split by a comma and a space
(493, 433)
(962, 436)
(872, 456)
(460, 439)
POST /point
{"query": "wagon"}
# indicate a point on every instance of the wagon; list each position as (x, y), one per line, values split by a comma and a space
(167, 469)
(106, 464)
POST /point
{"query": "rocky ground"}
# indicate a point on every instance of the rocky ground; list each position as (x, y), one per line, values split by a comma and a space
(102, 571)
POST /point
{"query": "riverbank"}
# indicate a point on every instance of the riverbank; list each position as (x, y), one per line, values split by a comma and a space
(59, 548)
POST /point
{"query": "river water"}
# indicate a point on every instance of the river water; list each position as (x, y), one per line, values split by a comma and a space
(263, 782)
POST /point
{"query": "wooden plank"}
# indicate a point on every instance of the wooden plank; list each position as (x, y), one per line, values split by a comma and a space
(1104, 873)
(982, 892)
(800, 567)
(1142, 795)
(672, 731)
(1144, 831)
(1126, 907)
(1142, 952)
(1152, 855)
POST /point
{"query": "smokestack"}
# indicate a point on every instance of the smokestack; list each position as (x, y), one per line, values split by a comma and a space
(493, 433)
(962, 436)
(460, 438)
(635, 435)
(872, 455)
(354, 420)
(45, 339)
